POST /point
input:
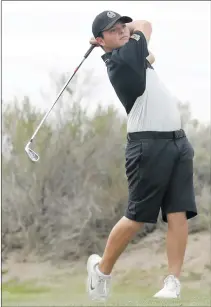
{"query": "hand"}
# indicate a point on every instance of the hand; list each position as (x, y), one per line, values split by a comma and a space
(94, 42)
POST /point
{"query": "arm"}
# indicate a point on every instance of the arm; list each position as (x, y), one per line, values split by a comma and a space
(141, 25)
(150, 58)
(146, 28)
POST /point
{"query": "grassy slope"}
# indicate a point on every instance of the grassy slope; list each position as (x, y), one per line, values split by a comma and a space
(136, 280)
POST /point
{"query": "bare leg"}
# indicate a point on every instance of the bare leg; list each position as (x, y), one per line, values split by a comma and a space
(176, 241)
(118, 240)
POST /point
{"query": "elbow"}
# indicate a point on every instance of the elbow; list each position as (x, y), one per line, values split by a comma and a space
(145, 27)
(153, 60)
(150, 58)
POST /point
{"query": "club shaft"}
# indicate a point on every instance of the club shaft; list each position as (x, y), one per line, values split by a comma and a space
(59, 95)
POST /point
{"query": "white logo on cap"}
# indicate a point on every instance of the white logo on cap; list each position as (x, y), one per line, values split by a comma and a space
(111, 14)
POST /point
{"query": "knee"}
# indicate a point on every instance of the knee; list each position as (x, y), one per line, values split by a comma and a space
(132, 225)
(177, 219)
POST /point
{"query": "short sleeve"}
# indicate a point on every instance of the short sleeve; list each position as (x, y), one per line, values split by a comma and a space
(133, 53)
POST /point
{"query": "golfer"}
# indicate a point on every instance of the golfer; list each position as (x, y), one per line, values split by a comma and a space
(159, 157)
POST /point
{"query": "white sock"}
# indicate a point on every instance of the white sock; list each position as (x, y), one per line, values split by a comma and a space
(100, 273)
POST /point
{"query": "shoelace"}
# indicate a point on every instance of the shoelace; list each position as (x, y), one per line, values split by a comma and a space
(169, 280)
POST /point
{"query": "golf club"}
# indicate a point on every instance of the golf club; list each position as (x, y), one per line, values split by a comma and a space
(33, 156)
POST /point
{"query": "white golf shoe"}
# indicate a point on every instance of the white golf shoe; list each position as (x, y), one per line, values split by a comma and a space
(171, 288)
(98, 284)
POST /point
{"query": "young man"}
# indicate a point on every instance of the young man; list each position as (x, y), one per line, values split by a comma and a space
(159, 157)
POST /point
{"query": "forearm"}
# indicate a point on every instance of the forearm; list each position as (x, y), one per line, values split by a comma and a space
(141, 25)
(150, 58)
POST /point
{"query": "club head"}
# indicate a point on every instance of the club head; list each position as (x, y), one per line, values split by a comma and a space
(31, 154)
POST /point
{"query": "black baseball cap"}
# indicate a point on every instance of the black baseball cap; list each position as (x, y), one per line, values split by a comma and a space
(106, 20)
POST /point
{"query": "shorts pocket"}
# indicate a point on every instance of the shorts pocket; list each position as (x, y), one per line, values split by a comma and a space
(133, 159)
(137, 157)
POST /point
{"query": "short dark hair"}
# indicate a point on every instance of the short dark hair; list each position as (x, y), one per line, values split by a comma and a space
(101, 35)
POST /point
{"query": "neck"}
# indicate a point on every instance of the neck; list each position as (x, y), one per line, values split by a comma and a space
(107, 49)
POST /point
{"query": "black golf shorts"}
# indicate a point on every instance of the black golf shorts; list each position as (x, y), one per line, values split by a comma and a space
(159, 169)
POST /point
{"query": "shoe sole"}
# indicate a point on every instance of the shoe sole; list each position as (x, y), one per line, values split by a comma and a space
(164, 297)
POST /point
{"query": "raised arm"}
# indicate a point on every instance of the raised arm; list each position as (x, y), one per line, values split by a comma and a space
(151, 58)
(141, 25)
(146, 28)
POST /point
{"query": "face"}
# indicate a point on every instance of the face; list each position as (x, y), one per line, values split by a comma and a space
(115, 37)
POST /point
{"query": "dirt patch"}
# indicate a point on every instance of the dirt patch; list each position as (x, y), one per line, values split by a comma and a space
(148, 259)
(150, 252)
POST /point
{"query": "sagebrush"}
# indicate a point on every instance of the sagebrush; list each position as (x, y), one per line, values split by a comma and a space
(65, 206)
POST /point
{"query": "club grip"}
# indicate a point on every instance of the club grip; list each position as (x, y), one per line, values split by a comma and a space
(89, 51)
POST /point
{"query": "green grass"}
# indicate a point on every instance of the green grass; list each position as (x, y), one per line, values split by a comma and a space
(4, 271)
(28, 287)
(128, 291)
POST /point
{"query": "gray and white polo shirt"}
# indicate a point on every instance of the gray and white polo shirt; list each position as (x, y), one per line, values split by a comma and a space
(148, 103)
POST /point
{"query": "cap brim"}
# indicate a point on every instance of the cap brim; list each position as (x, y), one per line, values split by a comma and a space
(124, 19)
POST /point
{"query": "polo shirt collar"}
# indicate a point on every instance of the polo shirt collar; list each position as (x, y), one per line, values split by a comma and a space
(106, 56)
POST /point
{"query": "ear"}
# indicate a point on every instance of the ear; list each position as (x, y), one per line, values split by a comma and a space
(100, 41)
